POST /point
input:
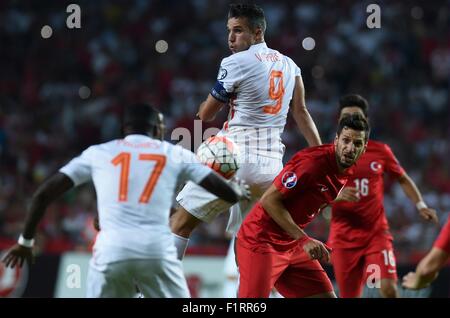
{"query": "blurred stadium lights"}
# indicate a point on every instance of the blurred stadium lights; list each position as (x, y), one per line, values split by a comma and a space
(308, 43)
(46, 31)
(84, 92)
(161, 46)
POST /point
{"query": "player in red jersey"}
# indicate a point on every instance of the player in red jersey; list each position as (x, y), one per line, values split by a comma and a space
(428, 268)
(272, 248)
(359, 234)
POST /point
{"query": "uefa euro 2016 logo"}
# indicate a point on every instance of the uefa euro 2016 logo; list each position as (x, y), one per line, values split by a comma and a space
(289, 179)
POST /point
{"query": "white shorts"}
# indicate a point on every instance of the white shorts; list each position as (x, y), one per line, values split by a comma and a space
(259, 174)
(156, 278)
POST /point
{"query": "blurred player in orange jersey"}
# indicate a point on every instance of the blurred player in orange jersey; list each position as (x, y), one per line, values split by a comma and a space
(135, 179)
(428, 268)
(359, 233)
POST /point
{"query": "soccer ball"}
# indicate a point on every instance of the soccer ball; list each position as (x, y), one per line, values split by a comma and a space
(220, 154)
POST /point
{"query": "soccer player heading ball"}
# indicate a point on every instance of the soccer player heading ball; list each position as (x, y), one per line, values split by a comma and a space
(260, 85)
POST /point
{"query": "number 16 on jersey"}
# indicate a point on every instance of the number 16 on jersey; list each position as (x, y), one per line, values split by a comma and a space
(362, 185)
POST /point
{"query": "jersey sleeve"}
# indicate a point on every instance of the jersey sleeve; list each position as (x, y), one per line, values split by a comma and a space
(79, 169)
(443, 240)
(293, 66)
(228, 79)
(191, 168)
(392, 166)
(297, 71)
(294, 178)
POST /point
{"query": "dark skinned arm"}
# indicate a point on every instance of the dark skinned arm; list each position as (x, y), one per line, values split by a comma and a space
(48, 192)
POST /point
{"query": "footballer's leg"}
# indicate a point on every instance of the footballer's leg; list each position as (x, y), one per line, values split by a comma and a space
(380, 255)
(182, 223)
(389, 288)
(387, 271)
(348, 266)
(112, 281)
(196, 205)
(304, 278)
(258, 272)
(161, 278)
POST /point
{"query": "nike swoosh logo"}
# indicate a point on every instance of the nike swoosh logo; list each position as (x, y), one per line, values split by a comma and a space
(391, 271)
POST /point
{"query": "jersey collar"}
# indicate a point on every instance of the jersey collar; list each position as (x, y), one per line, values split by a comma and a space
(258, 46)
(136, 137)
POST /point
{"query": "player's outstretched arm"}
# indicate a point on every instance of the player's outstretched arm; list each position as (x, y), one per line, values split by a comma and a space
(44, 195)
(48, 192)
(209, 108)
(413, 193)
(231, 191)
(301, 115)
(427, 270)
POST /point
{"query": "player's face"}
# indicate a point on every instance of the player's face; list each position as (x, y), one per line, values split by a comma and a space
(350, 145)
(351, 110)
(240, 36)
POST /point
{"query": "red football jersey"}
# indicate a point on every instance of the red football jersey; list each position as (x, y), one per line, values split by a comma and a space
(308, 183)
(443, 240)
(353, 224)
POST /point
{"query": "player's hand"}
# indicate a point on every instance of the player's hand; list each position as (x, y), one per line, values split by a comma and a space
(410, 281)
(241, 188)
(317, 250)
(17, 255)
(429, 215)
(348, 194)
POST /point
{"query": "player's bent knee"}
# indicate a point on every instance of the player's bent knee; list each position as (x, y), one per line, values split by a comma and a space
(183, 223)
(388, 288)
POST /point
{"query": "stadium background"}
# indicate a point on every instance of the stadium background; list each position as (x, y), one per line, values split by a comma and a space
(59, 95)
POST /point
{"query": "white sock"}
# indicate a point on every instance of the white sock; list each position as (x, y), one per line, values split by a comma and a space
(181, 244)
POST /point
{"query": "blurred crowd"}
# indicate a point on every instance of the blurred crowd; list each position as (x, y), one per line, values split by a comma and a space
(60, 94)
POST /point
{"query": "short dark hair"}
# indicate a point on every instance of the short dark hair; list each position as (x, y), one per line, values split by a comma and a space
(356, 122)
(253, 13)
(141, 117)
(354, 100)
